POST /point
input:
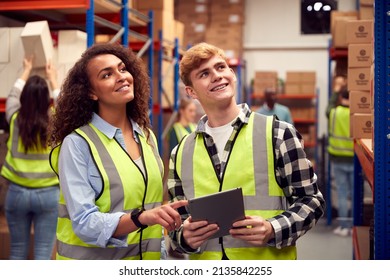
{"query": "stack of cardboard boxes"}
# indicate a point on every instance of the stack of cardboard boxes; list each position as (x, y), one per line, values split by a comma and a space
(264, 80)
(218, 22)
(226, 26)
(62, 48)
(195, 14)
(300, 82)
(366, 9)
(360, 61)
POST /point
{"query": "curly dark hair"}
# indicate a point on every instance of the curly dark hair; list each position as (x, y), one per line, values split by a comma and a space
(75, 106)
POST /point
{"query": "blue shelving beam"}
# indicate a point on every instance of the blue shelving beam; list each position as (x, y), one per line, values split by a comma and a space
(382, 130)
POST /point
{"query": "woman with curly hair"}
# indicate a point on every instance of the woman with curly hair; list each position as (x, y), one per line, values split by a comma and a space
(107, 161)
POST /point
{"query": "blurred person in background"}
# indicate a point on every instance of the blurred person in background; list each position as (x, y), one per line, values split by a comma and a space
(341, 154)
(271, 107)
(339, 82)
(33, 193)
(185, 122)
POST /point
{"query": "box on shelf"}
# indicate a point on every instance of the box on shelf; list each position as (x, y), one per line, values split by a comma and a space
(360, 102)
(71, 45)
(266, 75)
(366, 12)
(179, 31)
(339, 27)
(259, 86)
(359, 31)
(359, 79)
(292, 88)
(37, 42)
(360, 55)
(164, 21)
(307, 77)
(155, 5)
(366, 3)
(361, 126)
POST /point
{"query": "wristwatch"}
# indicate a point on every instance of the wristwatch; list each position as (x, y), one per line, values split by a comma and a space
(134, 217)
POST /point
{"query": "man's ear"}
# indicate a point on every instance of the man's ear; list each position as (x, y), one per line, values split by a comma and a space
(191, 92)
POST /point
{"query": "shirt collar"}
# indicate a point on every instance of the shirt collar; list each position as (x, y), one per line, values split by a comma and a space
(110, 130)
(243, 117)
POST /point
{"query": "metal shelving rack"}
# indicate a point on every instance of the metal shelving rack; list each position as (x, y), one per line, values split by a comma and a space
(374, 161)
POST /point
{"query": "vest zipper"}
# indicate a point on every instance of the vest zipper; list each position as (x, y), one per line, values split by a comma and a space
(145, 176)
(222, 177)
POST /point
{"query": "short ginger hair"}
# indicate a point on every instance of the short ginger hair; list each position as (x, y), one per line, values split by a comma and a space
(195, 56)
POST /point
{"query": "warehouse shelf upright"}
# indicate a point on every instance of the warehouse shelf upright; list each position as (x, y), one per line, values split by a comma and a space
(372, 157)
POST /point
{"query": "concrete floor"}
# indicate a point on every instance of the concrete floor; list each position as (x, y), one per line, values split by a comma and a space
(321, 244)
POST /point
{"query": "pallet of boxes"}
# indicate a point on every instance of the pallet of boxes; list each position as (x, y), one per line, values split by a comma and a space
(360, 77)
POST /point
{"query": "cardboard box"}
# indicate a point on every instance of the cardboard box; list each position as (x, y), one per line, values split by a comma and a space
(307, 77)
(360, 102)
(292, 88)
(266, 75)
(360, 55)
(338, 21)
(359, 79)
(37, 42)
(308, 88)
(259, 86)
(341, 14)
(71, 45)
(102, 6)
(361, 126)
(156, 5)
(4, 46)
(359, 31)
(179, 31)
(366, 3)
(164, 21)
(366, 13)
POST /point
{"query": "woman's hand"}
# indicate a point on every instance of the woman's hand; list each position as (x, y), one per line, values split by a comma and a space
(27, 67)
(51, 74)
(165, 215)
(196, 233)
(254, 230)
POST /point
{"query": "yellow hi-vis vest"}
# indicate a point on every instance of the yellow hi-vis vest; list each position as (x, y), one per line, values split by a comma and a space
(181, 131)
(124, 188)
(31, 169)
(340, 143)
(251, 167)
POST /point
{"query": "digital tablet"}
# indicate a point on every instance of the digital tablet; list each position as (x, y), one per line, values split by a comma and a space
(222, 208)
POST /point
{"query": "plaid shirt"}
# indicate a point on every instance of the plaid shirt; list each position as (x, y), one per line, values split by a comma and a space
(294, 173)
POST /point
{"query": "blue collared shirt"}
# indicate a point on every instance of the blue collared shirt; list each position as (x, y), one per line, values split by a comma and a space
(81, 183)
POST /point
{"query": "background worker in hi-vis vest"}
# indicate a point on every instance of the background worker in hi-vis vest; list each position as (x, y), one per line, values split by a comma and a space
(184, 124)
(234, 147)
(341, 155)
(107, 160)
(32, 196)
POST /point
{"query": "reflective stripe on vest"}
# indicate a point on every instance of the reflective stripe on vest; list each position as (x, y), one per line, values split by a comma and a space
(181, 131)
(31, 169)
(115, 166)
(255, 175)
(340, 143)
